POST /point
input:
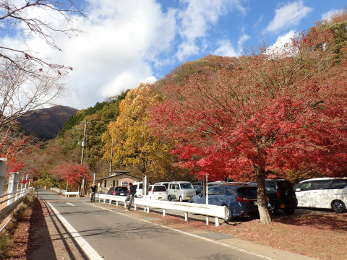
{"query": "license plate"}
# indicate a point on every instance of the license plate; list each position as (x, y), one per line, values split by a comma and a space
(122, 194)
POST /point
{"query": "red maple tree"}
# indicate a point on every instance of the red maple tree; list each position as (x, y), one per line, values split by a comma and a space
(72, 173)
(258, 115)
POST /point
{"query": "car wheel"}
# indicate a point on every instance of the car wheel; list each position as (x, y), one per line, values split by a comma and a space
(180, 199)
(338, 206)
(289, 211)
(169, 198)
(228, 215)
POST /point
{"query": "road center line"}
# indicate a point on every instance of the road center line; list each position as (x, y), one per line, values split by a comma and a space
(85, 246)
(186, 233)
(69, 203)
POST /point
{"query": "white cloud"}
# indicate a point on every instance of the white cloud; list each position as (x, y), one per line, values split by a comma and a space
(197, 18)
(283, 46)
(330, 14)
(225, 48)
(288, 15)
(118, 42)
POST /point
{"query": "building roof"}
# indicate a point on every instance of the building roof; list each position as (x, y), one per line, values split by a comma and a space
(119, 173)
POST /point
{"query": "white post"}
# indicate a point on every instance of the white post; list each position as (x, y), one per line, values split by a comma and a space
(207, 220)
(134, 206)
(164, 212)
(116, 202)
(2, 174)
(216, 221)
(185, 216)
(11, 189)
(206, 189)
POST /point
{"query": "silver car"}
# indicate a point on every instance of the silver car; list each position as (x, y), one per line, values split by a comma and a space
(180, 190)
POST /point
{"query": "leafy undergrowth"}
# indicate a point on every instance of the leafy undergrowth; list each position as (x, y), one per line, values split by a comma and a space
(318, 234)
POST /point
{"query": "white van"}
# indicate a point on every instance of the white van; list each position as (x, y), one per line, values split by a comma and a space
(327, 193)
(139, 189)
(157, 192)
(180, 190)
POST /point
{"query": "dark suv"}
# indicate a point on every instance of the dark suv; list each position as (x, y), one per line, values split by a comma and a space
(281, 195)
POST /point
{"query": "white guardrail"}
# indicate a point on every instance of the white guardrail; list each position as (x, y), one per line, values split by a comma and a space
(207, 210)
(66, 193)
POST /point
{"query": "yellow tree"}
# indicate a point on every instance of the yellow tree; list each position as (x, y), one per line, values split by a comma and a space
(132, 144)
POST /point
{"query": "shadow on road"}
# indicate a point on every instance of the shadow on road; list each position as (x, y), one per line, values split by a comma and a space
(39, 244)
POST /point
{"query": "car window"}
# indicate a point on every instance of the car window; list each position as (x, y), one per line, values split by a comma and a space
(159, 188)
(320, 185)
(270, 187)
(305, 186)
(185, 186)
(338, 184)
(229, 190)
(248, 192)
(215, 190)
(141, 186)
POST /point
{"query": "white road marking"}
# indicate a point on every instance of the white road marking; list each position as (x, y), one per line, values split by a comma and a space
(86, 247)
(68, 203)
(188, 234)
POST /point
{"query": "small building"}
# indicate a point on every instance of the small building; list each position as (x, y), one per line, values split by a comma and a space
(116, 178)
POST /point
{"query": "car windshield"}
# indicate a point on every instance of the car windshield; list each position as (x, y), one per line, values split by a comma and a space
(186, 186)
(122, 189)
(159, 188)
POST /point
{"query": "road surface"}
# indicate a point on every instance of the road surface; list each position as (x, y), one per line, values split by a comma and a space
(114, 235)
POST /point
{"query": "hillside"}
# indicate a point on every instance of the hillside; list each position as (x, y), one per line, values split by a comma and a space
(47, 122)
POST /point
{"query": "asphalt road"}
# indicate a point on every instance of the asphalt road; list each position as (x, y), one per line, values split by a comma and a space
(117, 236)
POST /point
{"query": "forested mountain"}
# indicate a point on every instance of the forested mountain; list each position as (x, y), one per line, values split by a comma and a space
(47, 122)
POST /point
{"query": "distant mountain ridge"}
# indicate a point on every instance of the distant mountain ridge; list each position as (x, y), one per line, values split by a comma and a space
(46, 123)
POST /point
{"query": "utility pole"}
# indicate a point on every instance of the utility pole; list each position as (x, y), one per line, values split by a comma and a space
(111, 154)
(82, 157)
(83, 141)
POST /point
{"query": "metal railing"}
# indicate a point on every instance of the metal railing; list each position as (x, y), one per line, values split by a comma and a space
(218, 212)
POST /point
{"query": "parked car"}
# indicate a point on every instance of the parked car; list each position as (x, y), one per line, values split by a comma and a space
(180, 190)
(281, 195)
(157, 192)
(328, 193)
(118, 191)
(239, 199)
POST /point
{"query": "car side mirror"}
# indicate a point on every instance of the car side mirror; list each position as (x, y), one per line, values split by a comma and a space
(297, 189)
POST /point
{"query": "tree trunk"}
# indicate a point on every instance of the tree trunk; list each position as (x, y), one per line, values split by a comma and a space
(262, 198)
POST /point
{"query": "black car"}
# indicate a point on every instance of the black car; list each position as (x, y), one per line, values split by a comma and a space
(118, 191)
(281, 195)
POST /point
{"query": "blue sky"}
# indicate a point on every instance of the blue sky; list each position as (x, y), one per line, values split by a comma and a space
(124, 42)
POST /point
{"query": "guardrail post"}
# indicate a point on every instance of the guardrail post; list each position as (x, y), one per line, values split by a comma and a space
(117, 203)
(134, 206)
(99, 198)
(216, 221)
(164, 212)
(125, 204)
(104, 200)
(207, 220)
(147, 209)
(185, 216)
(110, 201)
(11, 189)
